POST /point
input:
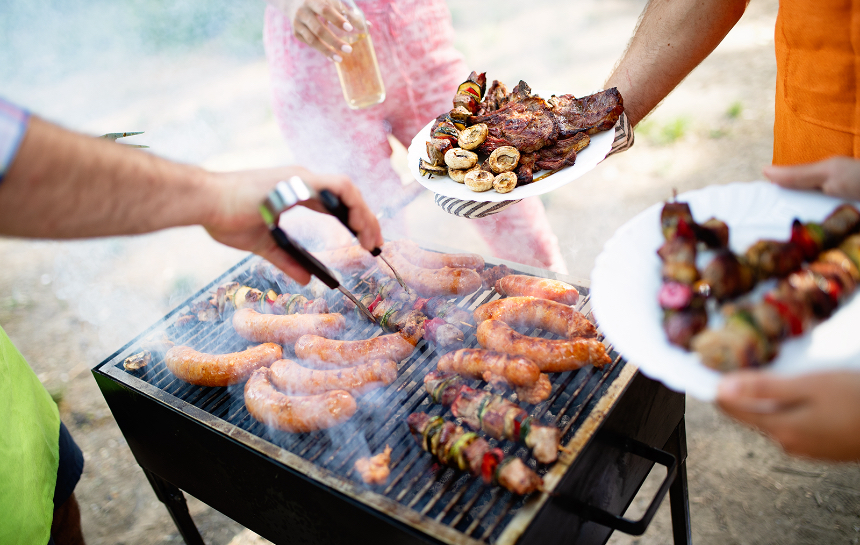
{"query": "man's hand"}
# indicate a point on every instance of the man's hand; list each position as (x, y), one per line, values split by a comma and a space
(309, 19)
(837, 176)
(237, 221)
(817, 416)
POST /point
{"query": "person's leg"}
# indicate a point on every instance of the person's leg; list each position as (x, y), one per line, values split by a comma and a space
(66, 524)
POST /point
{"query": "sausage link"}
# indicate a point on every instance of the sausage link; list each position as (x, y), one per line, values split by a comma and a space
(330, 354)
(435, 260)
(535, 393)
(295, 414)
(541, 313)
(473, 363)
(545, 288)
(430, 282)
(348, 260)
(222, 369)
(252, 325)
(551, 356)
(290, 377)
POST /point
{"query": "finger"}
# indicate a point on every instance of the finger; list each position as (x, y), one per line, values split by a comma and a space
(760, 399)
(308, 28)
(809, 176)
(361, 218)
(333, 15)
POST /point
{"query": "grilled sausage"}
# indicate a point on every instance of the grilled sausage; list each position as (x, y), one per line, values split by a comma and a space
(541, 313)
(545, 288)
(535, 393)
(295, 414)
(473, 363)
(551, 356)
(435, 260)
(290, 377)
(329, 354)
(430, 282)
(252, 325)
(222, 369)
(348, 260)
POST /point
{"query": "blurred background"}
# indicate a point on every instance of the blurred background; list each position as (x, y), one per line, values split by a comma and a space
(192, 75)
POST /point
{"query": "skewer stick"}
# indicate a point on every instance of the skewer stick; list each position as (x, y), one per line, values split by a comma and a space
(465, 324)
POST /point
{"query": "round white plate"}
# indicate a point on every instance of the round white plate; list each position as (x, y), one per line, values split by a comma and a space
(626, 279)
(586, 160)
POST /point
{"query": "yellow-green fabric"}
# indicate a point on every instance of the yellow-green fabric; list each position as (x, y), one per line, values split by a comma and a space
(29, 451)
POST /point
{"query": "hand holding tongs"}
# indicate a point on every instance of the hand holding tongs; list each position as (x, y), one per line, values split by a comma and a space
(286, 195)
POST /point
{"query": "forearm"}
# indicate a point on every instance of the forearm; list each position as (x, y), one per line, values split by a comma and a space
(671, 39)
(66, 185)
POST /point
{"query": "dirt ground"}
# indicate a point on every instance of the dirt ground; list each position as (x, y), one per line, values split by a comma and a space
(68, 305)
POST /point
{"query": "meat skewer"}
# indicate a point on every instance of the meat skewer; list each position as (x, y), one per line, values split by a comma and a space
(453, 446)
(495, 415)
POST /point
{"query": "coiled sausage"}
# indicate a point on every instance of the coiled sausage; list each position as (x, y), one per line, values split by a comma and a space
(550, 355)
(329, 354)
(431, 282)
(252, 325)
(435, 260)
(541, 313)
(473, 363)
(222, 369)
(545, 288)
(295, 414)
(290, 377)
(348, 260)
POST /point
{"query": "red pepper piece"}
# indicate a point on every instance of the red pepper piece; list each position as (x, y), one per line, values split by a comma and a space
(489, 463)
(419, 304)
(518, 423)
(375, 302)
(795, 325)
(801, 237)
(430, 327)
(685, 230)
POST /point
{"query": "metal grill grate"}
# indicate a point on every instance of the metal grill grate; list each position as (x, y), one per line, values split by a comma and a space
(440, 494)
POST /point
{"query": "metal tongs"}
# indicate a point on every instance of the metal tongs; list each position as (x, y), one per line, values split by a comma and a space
(290, 193)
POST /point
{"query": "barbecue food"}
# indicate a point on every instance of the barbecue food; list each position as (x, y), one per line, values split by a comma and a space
(436, 149)
(137, 361)
(479, 180)
(219, 370)
(459, 176)
(295, 414)
(291, 378)
(473, 363)
(589, 114)
(460, 159)
(545, 288)
(504, 159)
(329, 354)
(348, 260)
(460, 116)
(439, 307)
(431, 282)
(375, 470)
(525, 169)
(562, 153)
(444, 334)
(435, 260)
(527, 122)
(541, 313)
(535, 393)
(429, 170)
(552, 356)
(473, 136)
(505, 182)
(490, 276)
(453, 446)
(495, 415)
(256, 327)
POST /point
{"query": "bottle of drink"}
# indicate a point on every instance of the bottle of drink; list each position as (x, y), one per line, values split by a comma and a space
(359, 72)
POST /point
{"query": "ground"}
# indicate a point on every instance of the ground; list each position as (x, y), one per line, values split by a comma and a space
(68, 305)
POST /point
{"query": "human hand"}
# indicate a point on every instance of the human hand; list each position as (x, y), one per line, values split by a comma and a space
(237, 221)
(816, 416)
(837, 176)
(310, 19)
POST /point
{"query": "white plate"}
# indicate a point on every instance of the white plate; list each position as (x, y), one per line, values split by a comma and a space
(626, 279)
(586, 160)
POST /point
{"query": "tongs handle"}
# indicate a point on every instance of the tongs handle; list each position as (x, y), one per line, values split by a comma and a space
(304, 258)
(339, 210)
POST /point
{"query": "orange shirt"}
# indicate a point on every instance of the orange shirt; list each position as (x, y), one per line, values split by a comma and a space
(817, 70)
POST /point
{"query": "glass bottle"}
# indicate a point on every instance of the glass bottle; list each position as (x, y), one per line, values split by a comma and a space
(359, 72)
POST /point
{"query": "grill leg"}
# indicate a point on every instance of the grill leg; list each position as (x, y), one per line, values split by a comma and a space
(679, 501)
(174, 500)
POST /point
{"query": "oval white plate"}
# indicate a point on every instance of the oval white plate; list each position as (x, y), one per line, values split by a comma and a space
(626, 279)
(586, 160)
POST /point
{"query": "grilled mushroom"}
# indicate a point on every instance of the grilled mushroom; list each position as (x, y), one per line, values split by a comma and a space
(504, 159)
(436, 149)
(472, 137)
(459, 175)
(460, 158)
(479, 180)
(505, 182)
(428, 169)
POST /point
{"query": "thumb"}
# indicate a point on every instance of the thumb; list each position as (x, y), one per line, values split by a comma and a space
(809, 176)
(748, 388)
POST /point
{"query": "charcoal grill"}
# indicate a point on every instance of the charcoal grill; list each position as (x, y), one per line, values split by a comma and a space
(301, 488)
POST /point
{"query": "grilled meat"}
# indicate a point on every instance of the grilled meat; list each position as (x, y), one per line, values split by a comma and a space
(562, 153)
(374, 469)
(590, 114)
(525, 121)
(525, 170)
(495, 97)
